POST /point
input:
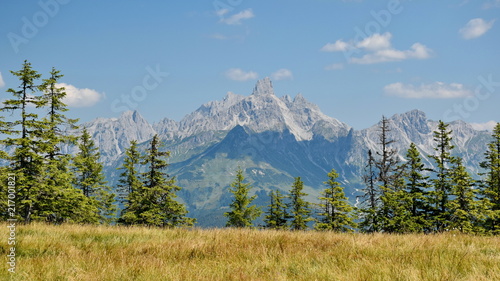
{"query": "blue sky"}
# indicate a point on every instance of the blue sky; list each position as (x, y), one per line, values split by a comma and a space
(358, 60)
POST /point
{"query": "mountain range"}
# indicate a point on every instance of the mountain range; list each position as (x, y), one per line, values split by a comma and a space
(273, 139)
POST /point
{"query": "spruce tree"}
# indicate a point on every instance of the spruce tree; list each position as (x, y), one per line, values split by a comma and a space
(156, 204)
(299, 208)
(89, 178)
(491, 183)
(60, 201)
(370, 199)
(336, 212)
(277, 215)
(26, 163)
(388, 177)
(442, 182)
(241, 214)
(129, 179)
(130, 186)
(416, 191)
(466, 213)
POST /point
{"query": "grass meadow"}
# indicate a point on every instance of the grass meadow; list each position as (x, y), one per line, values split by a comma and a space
(79, 252)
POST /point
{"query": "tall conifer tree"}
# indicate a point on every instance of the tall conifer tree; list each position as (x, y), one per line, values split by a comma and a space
(388, 177)
(491, 182)
(129, 179)
(130, 187)
(242, 214)
(26, 162)
(158, 206)
(335, 211)
(299, 208)
(442, 182)
(415, 195)
(277, 215)
(370, 199)
(59, 201)
(89, 178)
(466, 212)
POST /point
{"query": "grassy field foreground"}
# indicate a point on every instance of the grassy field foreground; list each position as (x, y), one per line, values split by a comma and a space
(72, 252)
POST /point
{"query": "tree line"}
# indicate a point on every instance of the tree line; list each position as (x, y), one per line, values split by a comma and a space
(48, 184)
(400, 195)
(55, 186)
(406, 196)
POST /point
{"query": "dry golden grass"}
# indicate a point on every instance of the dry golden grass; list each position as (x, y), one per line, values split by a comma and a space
(73, 252)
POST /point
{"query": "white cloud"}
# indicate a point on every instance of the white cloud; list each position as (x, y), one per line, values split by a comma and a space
(475, 28)
(487, 126)
(2, 83)
(238, 74)
(376, 42)
(338, 46)
(282, 74)
(417, 51)
(335, 66)
(237, 18)
(76, 97)
(436, 90)
(377, 48)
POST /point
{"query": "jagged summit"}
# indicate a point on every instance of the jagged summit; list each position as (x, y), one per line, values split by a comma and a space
(132, 115)
(263, 87)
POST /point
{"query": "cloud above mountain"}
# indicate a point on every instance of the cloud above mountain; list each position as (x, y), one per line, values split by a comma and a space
(237, 74)
(76, 97)
(282, 74)
(436, 90)
(377, 48)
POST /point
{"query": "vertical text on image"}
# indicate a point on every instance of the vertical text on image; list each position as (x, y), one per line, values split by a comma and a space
(11, 213)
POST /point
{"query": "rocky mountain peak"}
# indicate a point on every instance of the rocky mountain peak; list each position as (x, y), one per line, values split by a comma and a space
(132, 116)
(263, 87)
(412, 120)
(299, 98)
